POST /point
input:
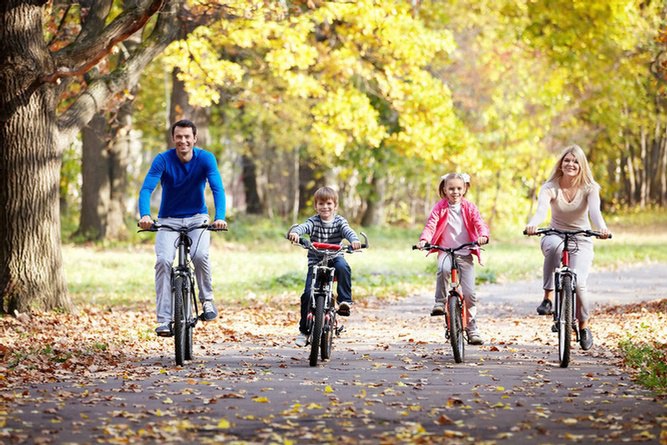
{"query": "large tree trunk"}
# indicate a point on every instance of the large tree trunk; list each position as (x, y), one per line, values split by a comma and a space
(30, 257)
(374, 214)
(33, 136)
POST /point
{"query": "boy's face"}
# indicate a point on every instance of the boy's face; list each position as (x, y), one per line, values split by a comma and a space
(326, 209)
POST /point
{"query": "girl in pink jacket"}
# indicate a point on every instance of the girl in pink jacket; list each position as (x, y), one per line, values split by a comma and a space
(454, 221)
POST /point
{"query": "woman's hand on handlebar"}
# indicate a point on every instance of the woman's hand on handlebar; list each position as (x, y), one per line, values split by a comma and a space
(605, 233)
(530, 230)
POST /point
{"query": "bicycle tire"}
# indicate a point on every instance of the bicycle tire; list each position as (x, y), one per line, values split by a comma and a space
(179, 321)
(188, 299)
(318, 323)
(456, 328)
(565, 322)
(327, 335)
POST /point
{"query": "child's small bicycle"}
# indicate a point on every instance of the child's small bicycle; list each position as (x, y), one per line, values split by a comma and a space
(565, 293)
(322, 323)
(456, 315)
(185, 312)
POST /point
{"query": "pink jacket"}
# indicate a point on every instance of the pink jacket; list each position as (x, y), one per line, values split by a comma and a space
(437, 221)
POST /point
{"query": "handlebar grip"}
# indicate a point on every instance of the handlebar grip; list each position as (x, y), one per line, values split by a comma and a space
(525, 232)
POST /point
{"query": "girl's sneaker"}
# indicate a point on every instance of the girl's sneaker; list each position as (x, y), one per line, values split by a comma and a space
(438, 309)
(301, 340)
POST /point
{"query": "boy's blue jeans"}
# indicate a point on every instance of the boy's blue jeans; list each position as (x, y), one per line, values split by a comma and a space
(343, 274)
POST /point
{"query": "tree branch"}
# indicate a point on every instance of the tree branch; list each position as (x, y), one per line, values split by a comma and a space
(78, 58)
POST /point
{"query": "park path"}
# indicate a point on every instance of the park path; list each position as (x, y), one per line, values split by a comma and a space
(391, 379)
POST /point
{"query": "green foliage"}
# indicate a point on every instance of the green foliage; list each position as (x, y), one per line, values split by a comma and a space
(649, 359)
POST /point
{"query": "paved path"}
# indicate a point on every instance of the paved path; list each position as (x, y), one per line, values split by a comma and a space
(392, 379)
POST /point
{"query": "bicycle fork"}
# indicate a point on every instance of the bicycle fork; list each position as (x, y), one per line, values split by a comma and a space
(558, 297)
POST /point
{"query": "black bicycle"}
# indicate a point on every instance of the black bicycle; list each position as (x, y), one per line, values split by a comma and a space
(184, 307)
(322, 322)
(456, 314)
(565, 292)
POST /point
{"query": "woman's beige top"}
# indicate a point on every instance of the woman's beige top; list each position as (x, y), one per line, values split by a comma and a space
(569, 215)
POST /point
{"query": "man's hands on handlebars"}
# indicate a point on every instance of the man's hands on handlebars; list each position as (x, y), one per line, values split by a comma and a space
(534, 230)
(146, 223)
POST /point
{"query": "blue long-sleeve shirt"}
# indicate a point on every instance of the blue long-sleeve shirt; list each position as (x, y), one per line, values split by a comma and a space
(183, 185)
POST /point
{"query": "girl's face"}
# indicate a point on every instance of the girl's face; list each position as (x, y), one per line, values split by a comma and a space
(455, 188)
(570, 166)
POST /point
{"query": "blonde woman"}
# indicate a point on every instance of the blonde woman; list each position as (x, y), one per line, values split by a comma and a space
(573, 197)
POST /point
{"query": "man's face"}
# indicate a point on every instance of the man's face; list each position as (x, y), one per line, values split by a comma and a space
(184, 141)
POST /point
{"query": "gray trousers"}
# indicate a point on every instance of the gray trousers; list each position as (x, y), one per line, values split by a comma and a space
(581, 259)
(466, 277)
(165, 250)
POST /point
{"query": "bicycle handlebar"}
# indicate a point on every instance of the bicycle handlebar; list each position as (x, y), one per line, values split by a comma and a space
(156, 226)
(429, 246)
(553, 231)
(327, 247)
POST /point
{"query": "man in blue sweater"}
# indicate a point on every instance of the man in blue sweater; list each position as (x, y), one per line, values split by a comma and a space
(183, 172)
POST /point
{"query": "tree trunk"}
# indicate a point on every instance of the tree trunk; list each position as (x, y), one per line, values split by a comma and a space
(30, 258)
(96, 187)
(253, 203)
(374, 214)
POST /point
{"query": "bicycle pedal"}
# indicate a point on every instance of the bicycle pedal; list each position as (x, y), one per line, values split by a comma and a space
(339, 329)
(554, 327)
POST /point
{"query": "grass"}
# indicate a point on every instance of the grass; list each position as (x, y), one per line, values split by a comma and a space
(650, 362)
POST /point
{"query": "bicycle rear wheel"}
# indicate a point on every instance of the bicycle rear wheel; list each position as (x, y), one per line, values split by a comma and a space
(317, 330)
(328, 334)
(456, 328)
(188, 297)
(565, 321)
(179, 320)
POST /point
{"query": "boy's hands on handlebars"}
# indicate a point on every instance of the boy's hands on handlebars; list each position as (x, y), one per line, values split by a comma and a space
(292, 236)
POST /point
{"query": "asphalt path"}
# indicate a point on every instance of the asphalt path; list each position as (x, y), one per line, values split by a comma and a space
(391, 379)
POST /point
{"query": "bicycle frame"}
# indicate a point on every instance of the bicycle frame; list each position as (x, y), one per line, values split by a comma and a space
(565, 292)
(455, 302)
(322, 319)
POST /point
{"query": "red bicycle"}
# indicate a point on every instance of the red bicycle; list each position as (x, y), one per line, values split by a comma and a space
(456, 314)
(565, 292)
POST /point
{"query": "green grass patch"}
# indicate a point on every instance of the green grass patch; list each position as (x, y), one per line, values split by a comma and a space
(650, 362)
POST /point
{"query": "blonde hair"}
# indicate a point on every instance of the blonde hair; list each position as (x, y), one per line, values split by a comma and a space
(324, 194)
(448, 177)
(585, 175)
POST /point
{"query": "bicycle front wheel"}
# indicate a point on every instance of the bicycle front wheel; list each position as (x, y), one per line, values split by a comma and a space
(180, 320)
(565, 321)
(456, 327)
(188, 304)
(317, 330)
(328, 334)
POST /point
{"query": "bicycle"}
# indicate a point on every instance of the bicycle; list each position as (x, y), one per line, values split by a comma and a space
(456, 314)
(322, 322)
(183, 295)
(565, 292)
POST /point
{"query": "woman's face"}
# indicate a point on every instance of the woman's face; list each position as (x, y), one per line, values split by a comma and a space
(570, 166)
(455, 188)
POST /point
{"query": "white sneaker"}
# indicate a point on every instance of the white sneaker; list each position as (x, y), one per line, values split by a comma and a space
(210, 312)
(301, 340)
(163, 330)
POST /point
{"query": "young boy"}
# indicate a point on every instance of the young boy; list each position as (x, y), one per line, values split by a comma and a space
(326, 227)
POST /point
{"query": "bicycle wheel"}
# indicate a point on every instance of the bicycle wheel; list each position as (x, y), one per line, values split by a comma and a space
(188, 297)
(179, 320)
(317, 330)
(565, 322)
(328, 334)
(456, 328)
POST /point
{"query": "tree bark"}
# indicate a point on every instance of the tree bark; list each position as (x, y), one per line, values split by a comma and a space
(96, 187)
(33, 136)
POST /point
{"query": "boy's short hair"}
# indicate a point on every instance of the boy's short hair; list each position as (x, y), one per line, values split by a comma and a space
(324, 194)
